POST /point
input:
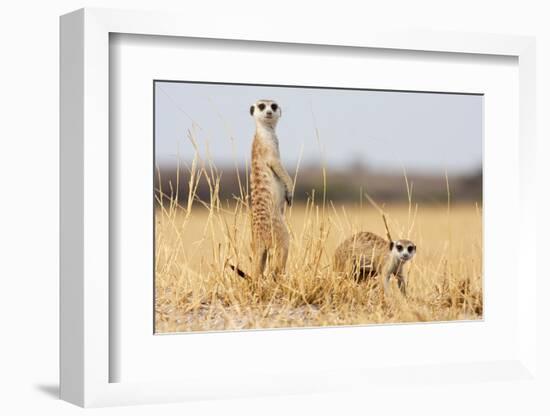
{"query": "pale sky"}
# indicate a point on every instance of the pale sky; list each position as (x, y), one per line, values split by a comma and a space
(421, 132)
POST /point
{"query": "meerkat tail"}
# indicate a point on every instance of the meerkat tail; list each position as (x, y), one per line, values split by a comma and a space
(239, 272)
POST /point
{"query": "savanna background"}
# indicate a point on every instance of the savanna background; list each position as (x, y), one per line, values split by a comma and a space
(417, 155)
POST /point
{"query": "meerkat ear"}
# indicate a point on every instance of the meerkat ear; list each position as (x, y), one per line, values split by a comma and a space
(391, 245)
(251, 110)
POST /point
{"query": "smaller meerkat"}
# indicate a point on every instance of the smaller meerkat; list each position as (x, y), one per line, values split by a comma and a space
(366, 254)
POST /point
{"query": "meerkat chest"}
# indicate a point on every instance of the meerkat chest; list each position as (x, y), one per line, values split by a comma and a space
(266, 185)
(393, 264)
(265, 151)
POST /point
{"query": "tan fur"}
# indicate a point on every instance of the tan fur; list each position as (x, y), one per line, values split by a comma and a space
(271, 186)
(365, 251)
(366, 254)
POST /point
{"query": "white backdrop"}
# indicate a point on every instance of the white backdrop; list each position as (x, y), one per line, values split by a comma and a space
(29, 209)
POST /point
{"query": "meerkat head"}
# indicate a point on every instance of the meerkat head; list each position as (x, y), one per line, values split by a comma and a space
(404, 250)
(266, 112)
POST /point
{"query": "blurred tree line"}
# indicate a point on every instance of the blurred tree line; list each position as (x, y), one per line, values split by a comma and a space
(341, 185)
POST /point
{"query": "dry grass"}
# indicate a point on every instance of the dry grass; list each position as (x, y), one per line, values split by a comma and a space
(196, 291)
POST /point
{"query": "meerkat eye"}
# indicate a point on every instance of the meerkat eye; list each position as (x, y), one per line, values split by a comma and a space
(274, 107)
(261, 107)
(410, 249)
(399, 247)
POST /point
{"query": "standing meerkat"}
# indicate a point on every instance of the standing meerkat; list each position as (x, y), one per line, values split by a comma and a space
(366, 254)
(271, 188)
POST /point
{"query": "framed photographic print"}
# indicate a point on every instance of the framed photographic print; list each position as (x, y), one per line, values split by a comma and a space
(417, 153)
(251, 215)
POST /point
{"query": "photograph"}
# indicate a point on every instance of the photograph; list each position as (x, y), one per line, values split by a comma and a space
(284, 206)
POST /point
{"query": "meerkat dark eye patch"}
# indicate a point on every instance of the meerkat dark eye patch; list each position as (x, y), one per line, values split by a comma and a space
(251, 110)
(261, 107)
(410, 249)
(399, 247)
(274, 107)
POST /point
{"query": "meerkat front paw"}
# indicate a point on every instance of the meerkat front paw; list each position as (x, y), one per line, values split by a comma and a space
(288, 198)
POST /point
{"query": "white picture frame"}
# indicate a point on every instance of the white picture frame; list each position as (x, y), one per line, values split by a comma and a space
(86, 356)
